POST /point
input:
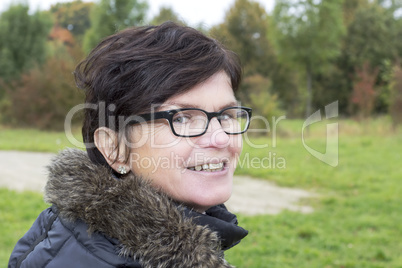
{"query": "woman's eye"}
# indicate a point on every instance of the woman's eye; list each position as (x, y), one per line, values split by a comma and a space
(226, 116)
(181, 119)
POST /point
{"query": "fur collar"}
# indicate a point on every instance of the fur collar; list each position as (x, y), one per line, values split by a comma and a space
(149, 225)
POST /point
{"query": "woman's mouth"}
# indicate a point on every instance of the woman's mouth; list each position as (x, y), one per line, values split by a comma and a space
(209, 167)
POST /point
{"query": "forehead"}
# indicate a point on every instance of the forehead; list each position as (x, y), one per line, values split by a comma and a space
(216, 92)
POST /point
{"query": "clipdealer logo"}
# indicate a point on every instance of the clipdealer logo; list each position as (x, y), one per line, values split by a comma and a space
(331, 154)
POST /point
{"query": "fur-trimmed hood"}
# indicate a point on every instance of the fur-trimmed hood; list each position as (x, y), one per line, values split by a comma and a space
(148, 224)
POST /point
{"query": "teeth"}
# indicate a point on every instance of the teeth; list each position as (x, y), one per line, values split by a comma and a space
(208, 167)
(215, 166)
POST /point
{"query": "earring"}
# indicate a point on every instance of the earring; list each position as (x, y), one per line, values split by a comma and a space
(122, 170)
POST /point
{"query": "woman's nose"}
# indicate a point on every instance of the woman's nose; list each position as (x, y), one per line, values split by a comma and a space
(215, 135)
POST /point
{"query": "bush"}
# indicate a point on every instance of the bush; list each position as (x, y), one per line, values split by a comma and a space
(364, 94)
(42, 97)
(395, 108)
(257, 94)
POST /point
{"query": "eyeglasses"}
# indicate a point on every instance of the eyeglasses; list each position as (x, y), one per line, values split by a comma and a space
(193, 122)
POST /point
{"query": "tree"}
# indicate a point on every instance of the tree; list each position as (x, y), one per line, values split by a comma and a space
(374, 36)
(245, 31)
(263, 102)
(370, 37)
(308, 34)
(166, 14)
(349, 9)
(23, 38)
(109, 16)
(73, 16)
(364, 93)
(42, 97)
(396, 100)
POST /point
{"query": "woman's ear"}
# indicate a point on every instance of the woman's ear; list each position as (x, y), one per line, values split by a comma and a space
(107, 142)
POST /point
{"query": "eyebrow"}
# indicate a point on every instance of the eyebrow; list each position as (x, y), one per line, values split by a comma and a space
(187, 105)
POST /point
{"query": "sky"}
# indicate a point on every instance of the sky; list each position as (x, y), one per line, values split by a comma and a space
(208, 12)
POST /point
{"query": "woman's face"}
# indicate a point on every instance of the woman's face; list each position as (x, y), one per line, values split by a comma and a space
(169, 161)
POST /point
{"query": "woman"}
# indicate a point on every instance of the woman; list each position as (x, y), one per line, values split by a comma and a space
(162, 130)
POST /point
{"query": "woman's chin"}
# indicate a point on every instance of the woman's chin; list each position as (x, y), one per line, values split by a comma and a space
(207, 189)
(203, 201)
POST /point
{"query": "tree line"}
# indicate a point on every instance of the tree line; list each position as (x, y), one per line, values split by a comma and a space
(301, 56)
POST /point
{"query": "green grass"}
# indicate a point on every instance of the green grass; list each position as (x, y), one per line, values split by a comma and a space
(17, 213)
(35, 140)
(357, 217)
(356, 222)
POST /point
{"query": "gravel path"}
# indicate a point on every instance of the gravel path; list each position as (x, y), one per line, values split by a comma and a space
(26, 171)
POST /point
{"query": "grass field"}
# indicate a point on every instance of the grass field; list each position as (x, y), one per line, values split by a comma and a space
(35, 140)
(17, 213)
(356, 222)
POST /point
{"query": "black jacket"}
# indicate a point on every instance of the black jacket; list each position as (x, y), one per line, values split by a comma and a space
(97, 220)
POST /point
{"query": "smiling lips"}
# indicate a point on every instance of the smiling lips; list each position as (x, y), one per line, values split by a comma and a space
(209, 167)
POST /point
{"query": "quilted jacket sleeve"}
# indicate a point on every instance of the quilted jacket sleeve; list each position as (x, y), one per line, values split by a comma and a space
(53, 242)
(34, 236)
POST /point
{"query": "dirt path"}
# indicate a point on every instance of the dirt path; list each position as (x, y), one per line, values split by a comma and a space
(26, 171)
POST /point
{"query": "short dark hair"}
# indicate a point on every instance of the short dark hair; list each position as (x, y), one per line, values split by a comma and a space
(141, 66)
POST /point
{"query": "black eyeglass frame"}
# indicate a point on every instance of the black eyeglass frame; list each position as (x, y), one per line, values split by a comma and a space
(169, 114)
